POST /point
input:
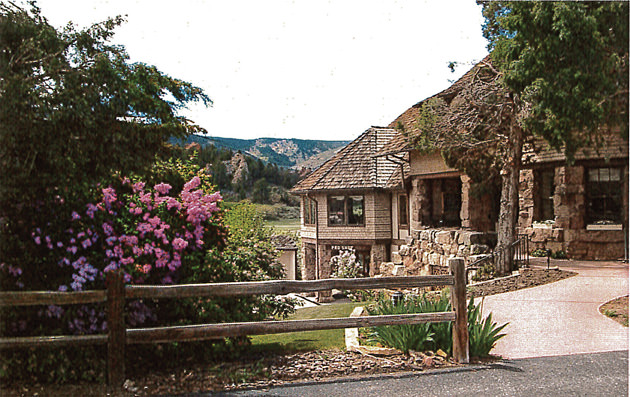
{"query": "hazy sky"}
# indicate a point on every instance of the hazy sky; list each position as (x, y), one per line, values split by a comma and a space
(295, 69)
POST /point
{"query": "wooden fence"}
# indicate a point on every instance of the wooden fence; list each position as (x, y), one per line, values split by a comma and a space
(119, 336)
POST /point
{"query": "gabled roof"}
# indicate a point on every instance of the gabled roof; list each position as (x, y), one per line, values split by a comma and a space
(354, 166)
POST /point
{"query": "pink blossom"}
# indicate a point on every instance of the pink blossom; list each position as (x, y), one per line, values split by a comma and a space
(75, 215)
(109, 196)
(38, 240)
(146, 268)
(138, 187)
(179, 243)
(146, 198)
(193, 183)
(126, 181)
(162, 188)
(173, 203)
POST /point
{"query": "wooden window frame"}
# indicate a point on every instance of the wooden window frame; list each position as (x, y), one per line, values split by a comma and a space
(310, 211)
(346, 210)
(612, 192)
(403, 221)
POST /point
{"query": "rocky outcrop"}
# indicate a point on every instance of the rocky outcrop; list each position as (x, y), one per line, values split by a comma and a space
(237, 168)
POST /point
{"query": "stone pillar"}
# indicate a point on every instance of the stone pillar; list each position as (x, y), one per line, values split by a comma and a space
(325, 270)
(420, 203)
(526, 192)
(569, 198)
(476, 211)
(308, 261)
(378, 254)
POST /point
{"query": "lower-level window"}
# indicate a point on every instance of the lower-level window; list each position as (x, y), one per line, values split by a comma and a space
(345, 210)
(604, 189)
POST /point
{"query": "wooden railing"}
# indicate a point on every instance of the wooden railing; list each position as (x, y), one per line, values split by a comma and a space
(119, 336)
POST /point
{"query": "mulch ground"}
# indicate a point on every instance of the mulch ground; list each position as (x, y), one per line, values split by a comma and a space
(273, 370)
(617, 309)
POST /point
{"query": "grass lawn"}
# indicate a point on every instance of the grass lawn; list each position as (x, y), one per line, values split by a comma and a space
(288, 225)
(309, 340)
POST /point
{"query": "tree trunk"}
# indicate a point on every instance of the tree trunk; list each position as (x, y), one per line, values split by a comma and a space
(508, 211)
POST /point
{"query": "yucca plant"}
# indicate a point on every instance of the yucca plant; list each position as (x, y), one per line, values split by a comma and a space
(483, 333)
(403, 337)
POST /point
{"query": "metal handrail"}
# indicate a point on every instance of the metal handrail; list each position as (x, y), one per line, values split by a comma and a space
(520, 249)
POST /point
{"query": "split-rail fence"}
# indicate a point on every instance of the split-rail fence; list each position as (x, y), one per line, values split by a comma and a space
(119, 336)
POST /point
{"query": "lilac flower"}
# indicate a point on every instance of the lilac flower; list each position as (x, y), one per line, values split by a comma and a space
(15, 271)
(179, 244)
(162, 188)
(91, 209)
(63, 288)
(173, 203)
(54, 311)
(75, 216)
(72, 249)
(38, 240)
(193, 183)
(59, 244)
(126, 181)
(86, 243)
(138, 187)
(108, 229)
(109, 196)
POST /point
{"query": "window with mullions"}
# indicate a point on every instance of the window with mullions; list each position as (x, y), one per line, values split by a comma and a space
(345, 210)
(403, 218)
(310, 211)
(604, 196)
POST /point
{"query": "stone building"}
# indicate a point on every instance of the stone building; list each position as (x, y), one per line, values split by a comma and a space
(390, 203)
(347, 204)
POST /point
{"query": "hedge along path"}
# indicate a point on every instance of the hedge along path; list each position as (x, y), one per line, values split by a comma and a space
(119, 336)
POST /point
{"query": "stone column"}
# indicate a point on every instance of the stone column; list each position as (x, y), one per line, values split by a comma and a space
(526, 192)
(378, 254)
(308, 261)
(325, 253)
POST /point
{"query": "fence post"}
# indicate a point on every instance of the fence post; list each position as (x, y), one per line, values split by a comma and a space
(116, 331)
(458, 301)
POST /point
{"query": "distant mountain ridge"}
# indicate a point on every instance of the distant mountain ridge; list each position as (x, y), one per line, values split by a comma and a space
(290, 153)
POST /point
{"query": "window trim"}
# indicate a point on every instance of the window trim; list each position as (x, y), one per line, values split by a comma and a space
(400, 219)
(346, 208)
(309, 204)
(592, 224)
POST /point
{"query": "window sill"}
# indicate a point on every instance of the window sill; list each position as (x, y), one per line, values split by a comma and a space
(604, 227)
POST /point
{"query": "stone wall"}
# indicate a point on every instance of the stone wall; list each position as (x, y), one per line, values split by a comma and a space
(568, 232)
(428, 251)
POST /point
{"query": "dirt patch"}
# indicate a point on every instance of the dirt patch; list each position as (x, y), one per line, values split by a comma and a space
(617, 309)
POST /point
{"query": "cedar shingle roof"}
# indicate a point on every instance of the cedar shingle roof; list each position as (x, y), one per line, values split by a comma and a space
(354, 166)
(614, 146)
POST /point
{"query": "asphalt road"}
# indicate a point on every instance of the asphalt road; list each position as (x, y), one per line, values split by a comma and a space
(593, 374)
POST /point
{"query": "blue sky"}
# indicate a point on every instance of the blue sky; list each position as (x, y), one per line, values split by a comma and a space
(295, 69)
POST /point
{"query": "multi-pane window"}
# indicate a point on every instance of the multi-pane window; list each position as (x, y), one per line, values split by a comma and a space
(310, 211)
(403, 217)
(604, 195)
(543, 204)
(345, 210)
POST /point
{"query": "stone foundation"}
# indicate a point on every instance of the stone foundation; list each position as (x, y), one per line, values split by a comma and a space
(428, 251)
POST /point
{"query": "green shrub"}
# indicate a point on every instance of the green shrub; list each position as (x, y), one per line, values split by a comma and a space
(559, 255)
(539, 253)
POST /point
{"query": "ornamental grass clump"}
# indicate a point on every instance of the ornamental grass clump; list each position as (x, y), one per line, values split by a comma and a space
(483, 332)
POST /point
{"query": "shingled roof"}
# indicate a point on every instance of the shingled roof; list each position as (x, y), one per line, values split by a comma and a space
(613, 147)
(354, 166)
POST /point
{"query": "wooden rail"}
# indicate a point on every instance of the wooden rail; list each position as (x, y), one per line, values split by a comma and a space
(119, 336)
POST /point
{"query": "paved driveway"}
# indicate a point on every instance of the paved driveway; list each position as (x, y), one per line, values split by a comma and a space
(563, 317)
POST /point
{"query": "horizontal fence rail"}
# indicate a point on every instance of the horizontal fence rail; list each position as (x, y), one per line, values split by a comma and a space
(32, 298)
(119, 336)
(281, 287)
(189, 333)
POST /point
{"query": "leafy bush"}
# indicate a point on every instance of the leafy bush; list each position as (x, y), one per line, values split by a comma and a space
(559, 255)
(345, 265)
(485, 272)
(483, 332)
(153, 236)
(539, 253)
